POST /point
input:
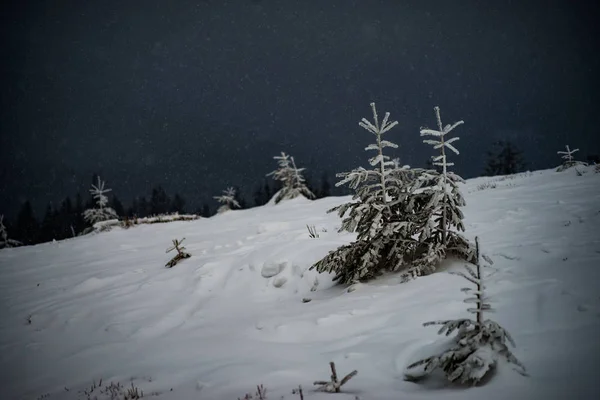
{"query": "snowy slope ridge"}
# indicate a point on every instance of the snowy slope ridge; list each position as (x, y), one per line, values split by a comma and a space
(232, 316)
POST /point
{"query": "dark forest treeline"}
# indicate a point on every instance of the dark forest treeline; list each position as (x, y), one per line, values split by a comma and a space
(65, 220)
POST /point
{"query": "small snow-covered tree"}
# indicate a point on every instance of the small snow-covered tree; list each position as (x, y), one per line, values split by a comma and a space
(102, 212)
(228, 200)
(568, 159)
(448, 195)
(290, 176)
(376, 213)
(5, 242)
(478, 343)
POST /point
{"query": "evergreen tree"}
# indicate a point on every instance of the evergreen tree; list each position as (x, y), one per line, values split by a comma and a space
(475, 349)
(325, 190)
(66, 219)
(505, 159)
(117, 206)
(269, 191)
(159, 202)
(240, 198)
(568, 159)
(178, 204)
(78, 217)
(143, 207)
(228, 201)
(102, 212)
(446, 190)
(259, 196)
(5, 241)
(205, 211)
(290, 176)
(27, 227)
(373, 214)
(132, 211)
(49, 225)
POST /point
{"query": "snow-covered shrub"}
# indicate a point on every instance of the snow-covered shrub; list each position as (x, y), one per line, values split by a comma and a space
(487, 185)
(290, 176)
(401, 215)
(478, 344)
(5, 242)
(568, 159)
(101, 212)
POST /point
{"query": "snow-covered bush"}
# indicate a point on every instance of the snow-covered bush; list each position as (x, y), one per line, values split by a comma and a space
(5, 242)
(401, 215)
(228, 201)
(290, 176)
(475, 349)
(101, 212)
(568, 159)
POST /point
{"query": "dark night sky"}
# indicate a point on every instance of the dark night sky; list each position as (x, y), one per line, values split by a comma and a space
(198, 95)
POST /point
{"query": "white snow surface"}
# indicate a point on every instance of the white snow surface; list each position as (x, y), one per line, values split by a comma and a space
(213, 327)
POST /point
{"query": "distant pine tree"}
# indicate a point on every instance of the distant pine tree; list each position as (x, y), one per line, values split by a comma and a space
(504, 159)
(178, 204)
(159, 201)
(325, 190)
(117, 206)
(259, 196)
(27, 227)
(240, 198)
(5, 241)
(143, 209)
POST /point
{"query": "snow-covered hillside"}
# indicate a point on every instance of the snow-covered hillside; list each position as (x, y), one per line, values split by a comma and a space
(232, 316)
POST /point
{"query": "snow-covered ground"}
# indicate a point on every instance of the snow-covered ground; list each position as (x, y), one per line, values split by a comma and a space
(213, 327)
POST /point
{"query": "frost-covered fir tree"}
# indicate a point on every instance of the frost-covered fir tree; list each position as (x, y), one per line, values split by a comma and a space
(478, 343)
(5, 242)
(101, 212)
(448, 195)
(290, 176)
(376, 213)
(568, 159)
(399, 216)
(228, 200)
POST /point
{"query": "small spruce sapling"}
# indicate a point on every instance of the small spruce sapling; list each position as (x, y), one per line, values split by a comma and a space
(444, 183)
(181, 254)
(5, 242)
(228, 201)
(102, 212)
(291, 178)
(475, 349)
(568, 159)
(374, 214)
(333, 385)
